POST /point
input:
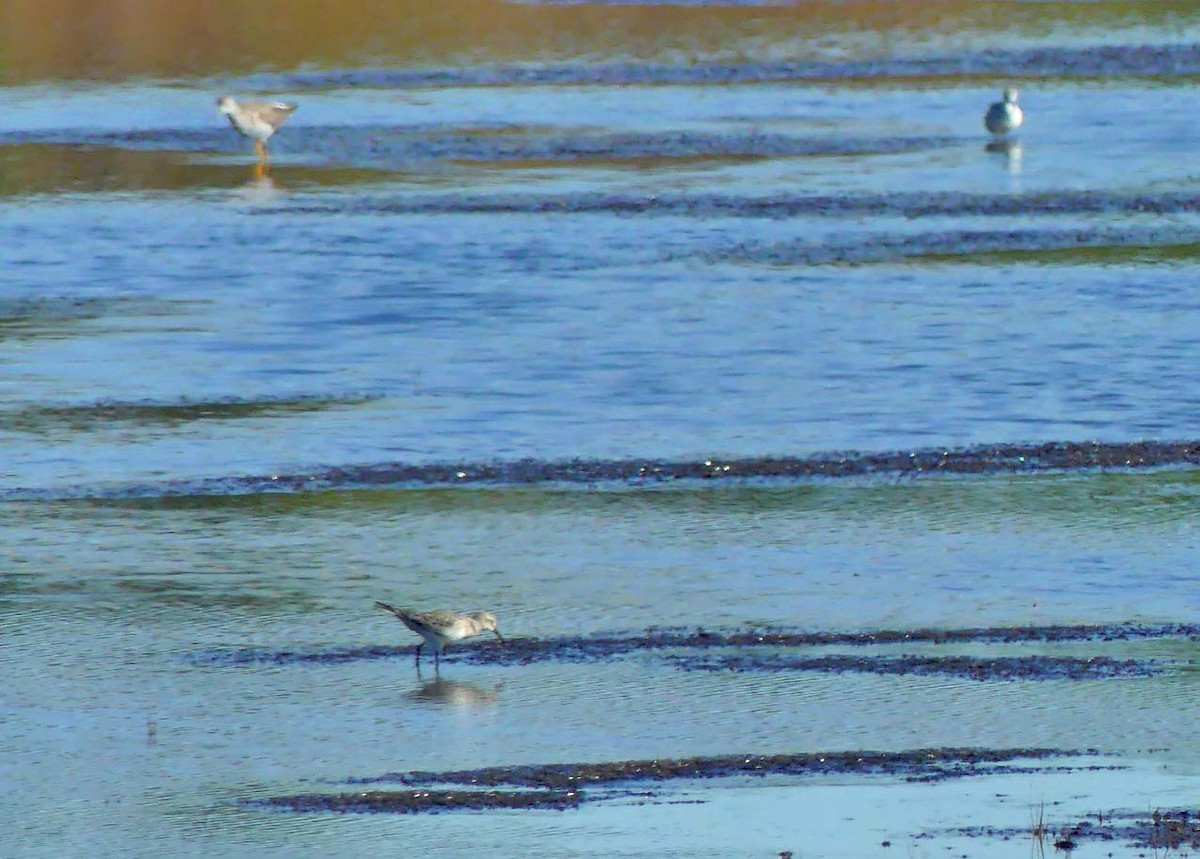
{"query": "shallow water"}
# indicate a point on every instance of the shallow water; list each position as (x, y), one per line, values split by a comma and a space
(618, 235)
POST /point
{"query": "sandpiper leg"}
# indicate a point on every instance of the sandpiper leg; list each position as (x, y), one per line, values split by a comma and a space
(417, 661)
(261, 150)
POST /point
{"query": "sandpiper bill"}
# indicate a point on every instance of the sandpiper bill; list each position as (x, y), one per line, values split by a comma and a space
(1004, 116)
(257, 120)
(439, 628)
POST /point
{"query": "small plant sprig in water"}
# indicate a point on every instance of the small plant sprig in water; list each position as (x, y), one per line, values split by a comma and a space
(1037, 827)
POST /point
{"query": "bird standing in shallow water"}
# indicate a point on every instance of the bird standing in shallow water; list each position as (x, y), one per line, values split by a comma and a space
(1004, 116)
(439, 628)
(257, 120)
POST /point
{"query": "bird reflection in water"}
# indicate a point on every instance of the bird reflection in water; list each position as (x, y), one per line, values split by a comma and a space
(260, 188)
(1010, 150)
(456, 694)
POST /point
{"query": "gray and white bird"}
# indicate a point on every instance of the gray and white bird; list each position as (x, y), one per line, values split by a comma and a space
(1004, 116)
(439, 628)
(257, 120)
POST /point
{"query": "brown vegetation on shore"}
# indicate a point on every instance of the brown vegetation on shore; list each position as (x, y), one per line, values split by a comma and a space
(124, 38)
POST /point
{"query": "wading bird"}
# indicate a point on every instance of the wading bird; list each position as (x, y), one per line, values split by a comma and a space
(257, 120)
(439, 628)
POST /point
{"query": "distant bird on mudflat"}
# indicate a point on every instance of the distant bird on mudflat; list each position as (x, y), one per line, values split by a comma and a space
(257, 120)
(1004, 116)
(439, 628)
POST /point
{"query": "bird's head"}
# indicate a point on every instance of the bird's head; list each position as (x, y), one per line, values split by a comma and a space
(487, 621)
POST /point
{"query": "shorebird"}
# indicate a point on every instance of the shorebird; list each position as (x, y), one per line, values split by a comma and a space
(439, 628)
(257, 120)
(1004, 116)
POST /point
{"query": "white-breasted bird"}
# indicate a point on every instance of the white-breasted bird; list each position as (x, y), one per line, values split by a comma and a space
(1004, 116)
(257, 120)
(439, 628)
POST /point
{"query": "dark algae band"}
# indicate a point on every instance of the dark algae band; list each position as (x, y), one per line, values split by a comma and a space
(973, 460)
(968, 667)
(561, 786)
(757, 651)
(1158, 61)
(924, 204)
(421, 801)
(1158, 830)
(920, 763)
(980, 460)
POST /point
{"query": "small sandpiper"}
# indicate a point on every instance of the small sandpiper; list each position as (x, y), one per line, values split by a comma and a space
(257, 120)
(1004, 116)
(439, 628)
